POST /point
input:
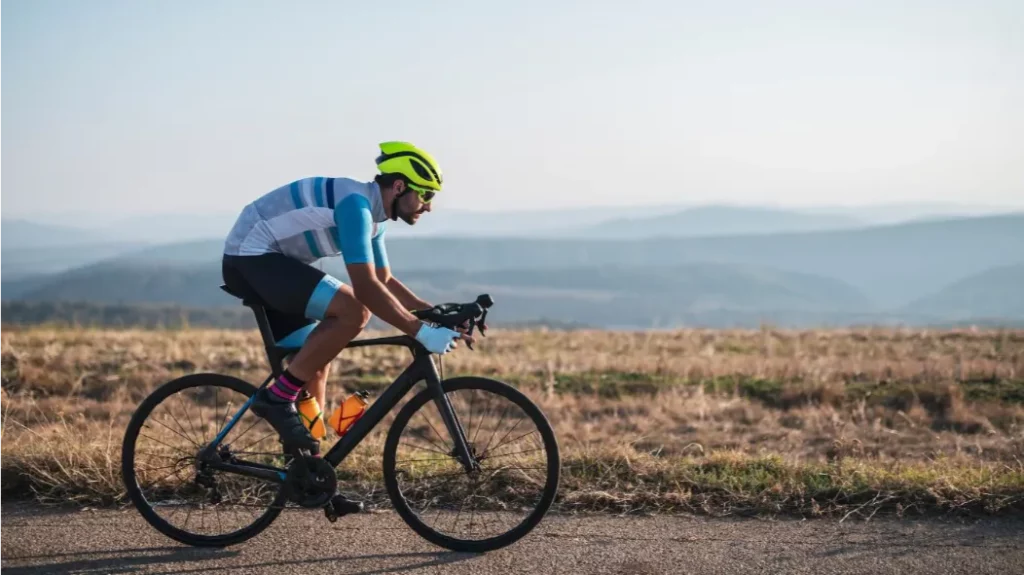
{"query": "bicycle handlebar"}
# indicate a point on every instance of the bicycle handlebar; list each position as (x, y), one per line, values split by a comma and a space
(454, 315)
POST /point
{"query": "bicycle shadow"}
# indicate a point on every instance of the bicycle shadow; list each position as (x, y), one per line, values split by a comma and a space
(439, 558)
(122, 561)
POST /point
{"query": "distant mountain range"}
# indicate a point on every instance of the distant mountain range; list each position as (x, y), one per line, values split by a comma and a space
(993, 293)
(920, 273)
(26, 262)
(891, 265)
(620, 295)
(719, 221)
(22, 234)
(54, 230)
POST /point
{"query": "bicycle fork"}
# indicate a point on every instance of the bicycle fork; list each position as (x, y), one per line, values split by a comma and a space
(451, 421)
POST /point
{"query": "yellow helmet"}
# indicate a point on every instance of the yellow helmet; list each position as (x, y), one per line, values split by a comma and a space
(419, 168)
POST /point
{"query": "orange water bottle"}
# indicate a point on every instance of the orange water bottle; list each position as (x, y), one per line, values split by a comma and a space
(312, 417)
(348, 412)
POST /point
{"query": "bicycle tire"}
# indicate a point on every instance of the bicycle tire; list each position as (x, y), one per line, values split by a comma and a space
(132, 485)
(443, 540)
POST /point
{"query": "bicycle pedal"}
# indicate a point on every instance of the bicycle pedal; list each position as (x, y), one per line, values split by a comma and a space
(340, 506)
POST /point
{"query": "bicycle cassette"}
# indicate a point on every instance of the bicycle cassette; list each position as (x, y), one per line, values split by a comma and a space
(311, 481)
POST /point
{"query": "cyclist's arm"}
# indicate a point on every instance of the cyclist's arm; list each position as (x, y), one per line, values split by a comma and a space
(379, 300)
(355, 226)
(401, 291)
(398, 289)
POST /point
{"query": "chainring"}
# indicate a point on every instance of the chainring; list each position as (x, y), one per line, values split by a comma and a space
(311, 481)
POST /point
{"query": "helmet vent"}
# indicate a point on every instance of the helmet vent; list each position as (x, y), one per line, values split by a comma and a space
(421, 170)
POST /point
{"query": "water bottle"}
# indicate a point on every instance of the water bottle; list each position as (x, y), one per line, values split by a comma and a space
(348, 412)
(312, 416)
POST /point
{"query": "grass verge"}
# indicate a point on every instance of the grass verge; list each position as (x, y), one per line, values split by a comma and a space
(61, 466)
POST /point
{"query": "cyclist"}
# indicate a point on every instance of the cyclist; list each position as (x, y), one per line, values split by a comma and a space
(268, 254)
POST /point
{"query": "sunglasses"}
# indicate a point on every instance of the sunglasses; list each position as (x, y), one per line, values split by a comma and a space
(425, 195)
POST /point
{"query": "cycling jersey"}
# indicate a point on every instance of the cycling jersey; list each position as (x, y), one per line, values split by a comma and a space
(313, 218)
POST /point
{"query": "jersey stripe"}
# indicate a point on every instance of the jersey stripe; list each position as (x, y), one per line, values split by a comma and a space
(322, 239)
(306, 187)
(330, 193)
(318, 188)
(310, 240)
(314, 248)
(332, 237)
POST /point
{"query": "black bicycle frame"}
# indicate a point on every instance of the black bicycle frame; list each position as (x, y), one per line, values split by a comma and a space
(422, 368)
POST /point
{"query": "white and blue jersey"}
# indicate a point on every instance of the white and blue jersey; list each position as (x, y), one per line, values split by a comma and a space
(313, 218)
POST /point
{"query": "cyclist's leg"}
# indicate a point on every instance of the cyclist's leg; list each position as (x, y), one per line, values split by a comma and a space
(297, 328)
(341, 320)
(317, 386)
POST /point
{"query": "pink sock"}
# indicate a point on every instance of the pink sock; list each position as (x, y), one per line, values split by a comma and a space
(284, 389)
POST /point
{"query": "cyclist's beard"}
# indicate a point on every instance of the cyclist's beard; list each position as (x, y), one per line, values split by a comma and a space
(409, 217)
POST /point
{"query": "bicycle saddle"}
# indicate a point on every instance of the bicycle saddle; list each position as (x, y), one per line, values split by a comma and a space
(248, 299)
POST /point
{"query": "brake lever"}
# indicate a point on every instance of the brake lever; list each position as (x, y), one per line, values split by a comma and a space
(472, 324)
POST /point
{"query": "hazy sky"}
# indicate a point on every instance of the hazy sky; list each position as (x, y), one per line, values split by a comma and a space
(145, 106)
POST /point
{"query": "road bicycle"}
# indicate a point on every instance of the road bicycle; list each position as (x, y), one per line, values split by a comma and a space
(469, 463)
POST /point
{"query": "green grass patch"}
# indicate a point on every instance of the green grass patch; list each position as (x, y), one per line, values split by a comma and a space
(779, 394)
(730, 483)
(994, 390)
(613, 384)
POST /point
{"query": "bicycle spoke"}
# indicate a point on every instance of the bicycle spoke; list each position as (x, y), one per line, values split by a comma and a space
(176, 423)
(254, 424)
(423, 448)
(481, 422)
(175, 472)
(513, 442)
(496, 427)
(157, 455)
(447, 458)
(185, 409)
(271, 434)
(513, 453)
(521, 419)
(432, 428)
(439, 449)
(179, 450)
(188, 439)
(161, 468)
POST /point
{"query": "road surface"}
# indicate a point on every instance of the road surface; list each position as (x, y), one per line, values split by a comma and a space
(37, 540)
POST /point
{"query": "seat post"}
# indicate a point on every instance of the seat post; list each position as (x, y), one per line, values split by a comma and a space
(275, 355)
(276, 363)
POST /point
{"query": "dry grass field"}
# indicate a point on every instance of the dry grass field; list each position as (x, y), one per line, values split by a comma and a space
(847, 422)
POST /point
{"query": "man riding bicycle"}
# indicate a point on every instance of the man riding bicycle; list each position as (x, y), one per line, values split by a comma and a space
(268, 254)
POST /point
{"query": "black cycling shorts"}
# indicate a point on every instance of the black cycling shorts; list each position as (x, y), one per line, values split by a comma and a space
(295, 294)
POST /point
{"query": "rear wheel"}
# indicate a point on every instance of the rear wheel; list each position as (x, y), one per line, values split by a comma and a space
(177, 494)
(492, 506)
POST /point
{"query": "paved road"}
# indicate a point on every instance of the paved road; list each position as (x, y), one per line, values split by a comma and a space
(46, 541)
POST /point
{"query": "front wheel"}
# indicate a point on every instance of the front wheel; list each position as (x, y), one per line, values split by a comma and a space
(496, 504)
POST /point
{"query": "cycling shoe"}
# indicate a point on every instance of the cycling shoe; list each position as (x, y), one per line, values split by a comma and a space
(285, 419)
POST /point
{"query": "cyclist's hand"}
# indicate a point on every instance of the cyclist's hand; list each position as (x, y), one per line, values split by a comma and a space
(439, 340)
(469, 339)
